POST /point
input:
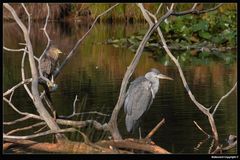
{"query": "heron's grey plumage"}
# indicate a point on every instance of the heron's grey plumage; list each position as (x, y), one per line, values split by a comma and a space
(139, 97)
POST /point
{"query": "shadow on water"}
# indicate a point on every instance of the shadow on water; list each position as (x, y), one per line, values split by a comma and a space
(95, 74)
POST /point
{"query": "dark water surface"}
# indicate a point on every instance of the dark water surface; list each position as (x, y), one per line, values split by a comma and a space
(95, 73)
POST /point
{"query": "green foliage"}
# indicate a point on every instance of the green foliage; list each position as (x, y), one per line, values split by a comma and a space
(211, 32)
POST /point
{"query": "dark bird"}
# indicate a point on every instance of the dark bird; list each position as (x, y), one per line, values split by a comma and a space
(48, 65)
(139, 97)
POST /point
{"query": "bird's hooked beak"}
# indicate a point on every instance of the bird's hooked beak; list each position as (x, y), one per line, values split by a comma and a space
(162, 76)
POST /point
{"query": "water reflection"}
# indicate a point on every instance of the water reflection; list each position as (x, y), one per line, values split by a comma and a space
(95, 74)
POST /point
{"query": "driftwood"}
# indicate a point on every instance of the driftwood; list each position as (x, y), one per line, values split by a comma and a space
(101, 147)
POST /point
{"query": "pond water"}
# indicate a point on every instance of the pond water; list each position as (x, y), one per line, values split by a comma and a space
(95, 74)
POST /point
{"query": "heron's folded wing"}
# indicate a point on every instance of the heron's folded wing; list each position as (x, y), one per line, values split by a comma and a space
(139, 99)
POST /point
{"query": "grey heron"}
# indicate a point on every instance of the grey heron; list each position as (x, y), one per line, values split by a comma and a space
(139, 97)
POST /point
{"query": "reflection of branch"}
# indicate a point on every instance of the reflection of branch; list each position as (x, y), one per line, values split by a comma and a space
(223, 97)
(201, 129)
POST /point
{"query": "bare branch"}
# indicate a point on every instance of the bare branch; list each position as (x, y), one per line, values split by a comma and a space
(36, 98)
(200, 106)
(158, 9)
(29, 18)
(25, 128)
(26, 81)
(193, 10)
(75, 114)
(46, 34)
(130, 69)
(14, 50)
(150, 134)
(223, 97)
(21, 113)
(194, 6)
(23, 76)
(5, 137)
(201, 129)
(17, 120)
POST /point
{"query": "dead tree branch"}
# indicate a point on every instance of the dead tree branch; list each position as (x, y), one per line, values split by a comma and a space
(39, 134)
(151, 133)
(34, 87)
(201, 129)
(200, 106)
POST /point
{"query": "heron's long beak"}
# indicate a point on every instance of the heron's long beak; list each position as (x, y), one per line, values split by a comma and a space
(162, 76)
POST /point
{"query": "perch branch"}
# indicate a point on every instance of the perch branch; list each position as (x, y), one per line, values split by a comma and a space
(34, 87)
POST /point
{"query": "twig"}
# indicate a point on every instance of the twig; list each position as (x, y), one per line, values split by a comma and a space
(46, 34)
(23, 75)
(16, 86)
(201, 129)
(193, 10)
(25, 128)
(29, 18)
(22, 113)
(151, 133)
(17, 120)
(41, 129)
(223, 97)
(76, 114)
(5, 137)
(158, 9)
(14, 50)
